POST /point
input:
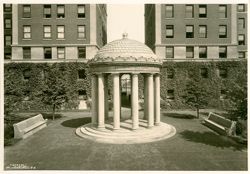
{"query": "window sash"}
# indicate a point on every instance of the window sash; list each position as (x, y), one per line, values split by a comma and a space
(169, 31)
(26, 32)
(26, 53)
(202, 52)
(8, 40)
(169, 11)
(47, 53)
(241, 7)
(241, 22)
(60, 52)
(60, 32)
(60, 9)
(190, 52)
(222, 11)
(203, 31)
(241, 38)
(189, 28)
(241, 54)
(7, 23)
(47, 31)
(169, 52)
(81, 31)
(26, 11)
(189, 11)
(81, 52)
(81, 9)
(47, 11)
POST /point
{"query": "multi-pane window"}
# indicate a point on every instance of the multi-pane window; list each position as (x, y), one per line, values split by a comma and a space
(61, 52)
(60, 11)
(170, 73)
(7, 23)
(7, 7)
(170, 94)
(222, 73)
(189, 11)
(169, 11)
(203, 31)
(169, 31)
(189, 31)
(81, 74)
(202, 11)
(26, 53)
(241, 7)
(204, 72)
(223, 94)
(7, 40)
(47, 31)
(82, 95)
(81, 52)
(26, 11)
(169, 52)
(26, 32)
(190, 52)
(241, 54)
(47, 53)
(241, 23)
(60, 32)
(47, 11)
(81, 31)
(222, 11)
(241, 39)
(202, 52)
(222, 31)
(81, 11)
(222, 52)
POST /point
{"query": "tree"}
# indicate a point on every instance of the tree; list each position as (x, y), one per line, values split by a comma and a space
(55, 89)
(195, 96)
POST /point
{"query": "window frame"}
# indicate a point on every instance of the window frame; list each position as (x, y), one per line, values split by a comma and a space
(45, 13)
(243, 23)
(26, 53)
(169, 13)
(223, 34)
(223, 54)
(44, 52)
(170, 28)
(239, 9)
(60, 53)
(60, 15)
(222, 13)
(243, 41)
(6, 8)
(79, 49)
(7, 40)
(81, 15)
(26, 14)
(188, 11)
(82, 74)
(202, 55)
(79, 33)
(172, 52)
(170, 95)
(244, 54)
(201, 34)
(7, 25)
(47, 32)
(188, 33)
(60, 34)
(188, 52)
(24, 32)
(223, 73)
(202, 15)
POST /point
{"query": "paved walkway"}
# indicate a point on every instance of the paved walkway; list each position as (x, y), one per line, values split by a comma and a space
(194, 147)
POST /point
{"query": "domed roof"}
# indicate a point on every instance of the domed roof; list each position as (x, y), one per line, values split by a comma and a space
(125, 50)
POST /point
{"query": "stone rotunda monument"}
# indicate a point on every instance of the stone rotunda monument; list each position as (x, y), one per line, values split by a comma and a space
(125, 56)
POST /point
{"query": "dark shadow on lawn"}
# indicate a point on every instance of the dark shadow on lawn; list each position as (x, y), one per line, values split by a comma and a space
(212, 139)
(181, 116)
(75, 123)
(50, 116)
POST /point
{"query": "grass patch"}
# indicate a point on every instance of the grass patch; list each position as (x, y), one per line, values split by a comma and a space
(180, 116)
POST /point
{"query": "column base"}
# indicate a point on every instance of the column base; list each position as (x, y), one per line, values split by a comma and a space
(101, 127)
(157, 124)
(150, 127)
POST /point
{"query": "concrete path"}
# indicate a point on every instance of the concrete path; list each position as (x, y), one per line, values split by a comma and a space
(194, 147)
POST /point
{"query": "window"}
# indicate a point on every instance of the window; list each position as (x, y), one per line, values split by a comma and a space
(8, 40)
(26, 11)
(190, 52)
(169, 31)
(222, 52)
(170, 94)
(241, 39)
(202, 11)
(169, 11)
(189, 11)
(26, 74)
(60, 11)
(60, 32)
(222, 11)
(26, 53)
(47, 53)
(47, 31)
(47, 11)
(26, 32)
(189, 31)
(222, 73)
(169, 52)
(7, 7)
(170, 73)
(81, 11)
(204, 73)
(241, 7)
(223, 94)
(81, 74)
(7, 55)
(241, 23)
(81, 52)
(203, 31)
(202, 52)
(241, 54)
(60, 52)
(82, 95)
(81, 31)
(222, 31)
(7, 23)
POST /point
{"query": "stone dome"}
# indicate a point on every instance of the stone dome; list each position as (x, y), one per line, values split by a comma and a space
(125, 50)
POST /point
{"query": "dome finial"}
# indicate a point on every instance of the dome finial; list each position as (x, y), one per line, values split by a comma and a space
(125, 35)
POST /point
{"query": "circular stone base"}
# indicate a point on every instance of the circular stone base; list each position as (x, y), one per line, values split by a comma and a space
(126, 135)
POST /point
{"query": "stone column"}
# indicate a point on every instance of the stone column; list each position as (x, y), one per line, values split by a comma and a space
(157, 99)
(134, 102)
(116, 100)
(101, 123)
(145, 97)
(94, 98)
(106, 99)
(150, 100)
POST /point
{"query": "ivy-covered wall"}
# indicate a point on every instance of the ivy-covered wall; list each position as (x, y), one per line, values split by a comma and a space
(27, 79)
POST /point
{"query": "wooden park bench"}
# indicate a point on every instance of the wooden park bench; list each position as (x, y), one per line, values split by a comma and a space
(29, 126)
(220, 124)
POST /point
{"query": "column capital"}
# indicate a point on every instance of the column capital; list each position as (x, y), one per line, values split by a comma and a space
(115, 74)
(149, 74)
